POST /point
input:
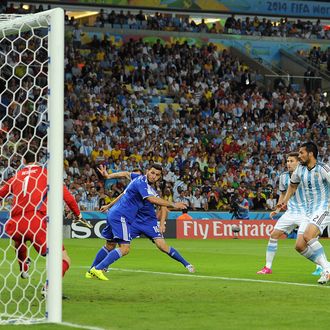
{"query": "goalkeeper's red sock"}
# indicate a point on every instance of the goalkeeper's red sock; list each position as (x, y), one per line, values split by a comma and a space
(21, 256)
(65, 267)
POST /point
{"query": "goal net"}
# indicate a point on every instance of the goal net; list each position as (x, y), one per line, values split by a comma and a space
(31, 121)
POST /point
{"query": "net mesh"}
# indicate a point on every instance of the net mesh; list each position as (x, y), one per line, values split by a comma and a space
(23, 128)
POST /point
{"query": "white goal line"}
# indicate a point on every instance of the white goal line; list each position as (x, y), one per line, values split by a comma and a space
(73, 325)
(194, 276)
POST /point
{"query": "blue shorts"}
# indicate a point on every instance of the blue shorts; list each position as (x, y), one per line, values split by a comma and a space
(117, 230)
(149, 229)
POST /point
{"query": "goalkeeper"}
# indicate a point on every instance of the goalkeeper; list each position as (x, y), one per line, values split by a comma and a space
(28, 214)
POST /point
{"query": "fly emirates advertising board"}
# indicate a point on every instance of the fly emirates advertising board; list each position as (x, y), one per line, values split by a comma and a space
(221, 229)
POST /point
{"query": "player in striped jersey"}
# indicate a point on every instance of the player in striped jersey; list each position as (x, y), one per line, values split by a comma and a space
(314, 178)
(291, 219)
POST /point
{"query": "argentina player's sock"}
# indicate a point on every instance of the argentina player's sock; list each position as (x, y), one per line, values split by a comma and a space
(271, 251)
(103, 252)
(177, 256)
(109, 259)
(318, 255)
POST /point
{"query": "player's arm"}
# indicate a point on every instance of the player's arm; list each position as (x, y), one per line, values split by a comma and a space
(118, 175)
(325, 172)
(282, 195)
(73, 206)
(162, 219)
(5, 189)
(108, 206)
(162, 202)
(291, 190)
(277, 210)
(71, 201)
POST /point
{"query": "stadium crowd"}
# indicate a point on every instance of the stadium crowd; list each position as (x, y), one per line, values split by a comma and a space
(198, 111)
(255, 26)
(318, 58)
(233, 25)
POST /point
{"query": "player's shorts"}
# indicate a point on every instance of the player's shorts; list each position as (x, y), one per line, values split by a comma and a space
(29, 227)
(117, 230)
(320, 219)
(150, 229)
(289, 221)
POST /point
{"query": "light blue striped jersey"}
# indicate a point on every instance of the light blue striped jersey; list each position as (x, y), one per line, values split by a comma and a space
(316, 185)
(297, 202)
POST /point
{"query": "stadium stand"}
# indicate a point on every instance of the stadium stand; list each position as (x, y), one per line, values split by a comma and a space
(195, 109)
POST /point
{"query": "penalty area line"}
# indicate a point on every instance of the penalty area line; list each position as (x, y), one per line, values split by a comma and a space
(192, 276)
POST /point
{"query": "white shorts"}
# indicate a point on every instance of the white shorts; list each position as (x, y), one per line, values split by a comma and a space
(320, 219)
(289, 221)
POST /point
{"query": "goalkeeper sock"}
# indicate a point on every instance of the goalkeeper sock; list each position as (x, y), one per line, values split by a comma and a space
(65, 267)
(22, 256)
(177, 256)
(109, 259)
(103, 252)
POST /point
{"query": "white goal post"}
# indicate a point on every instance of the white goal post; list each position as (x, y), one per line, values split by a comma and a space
(30, 88)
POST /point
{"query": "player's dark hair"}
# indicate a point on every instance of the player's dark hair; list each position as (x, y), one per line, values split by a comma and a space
(137, 171)
(310, 147)
(30, 157)
(156, 166)
(293, 154)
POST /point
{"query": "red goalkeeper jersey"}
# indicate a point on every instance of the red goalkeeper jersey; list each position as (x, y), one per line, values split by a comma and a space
(29, 190)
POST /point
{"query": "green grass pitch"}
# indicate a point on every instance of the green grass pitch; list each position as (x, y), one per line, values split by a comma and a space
(222, 294)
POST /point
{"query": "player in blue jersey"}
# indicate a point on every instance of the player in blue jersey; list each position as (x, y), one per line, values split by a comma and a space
(146, 223)
(291, 219)
(123, 214)
(314, 177)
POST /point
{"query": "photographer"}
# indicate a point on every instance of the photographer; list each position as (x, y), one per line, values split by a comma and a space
(212, 198)
(239, 207)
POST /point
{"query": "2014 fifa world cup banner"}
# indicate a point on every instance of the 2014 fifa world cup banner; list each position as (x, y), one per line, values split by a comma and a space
(222, 229)
(300, 8)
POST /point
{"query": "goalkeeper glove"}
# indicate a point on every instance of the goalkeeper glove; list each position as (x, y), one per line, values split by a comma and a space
(82, 221)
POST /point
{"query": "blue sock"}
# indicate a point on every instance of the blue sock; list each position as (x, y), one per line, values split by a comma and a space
(103, 252)
(177, 256)
(109, 259)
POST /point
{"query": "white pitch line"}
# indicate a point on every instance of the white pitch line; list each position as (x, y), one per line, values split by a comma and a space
(73, 325)
(192, 276)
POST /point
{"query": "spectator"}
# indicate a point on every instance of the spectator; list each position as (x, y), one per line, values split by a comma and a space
(76, 36)
(198, 202)
(243, 208)
(184, 216)
(308, 80)
(259, 202)
(271, 202)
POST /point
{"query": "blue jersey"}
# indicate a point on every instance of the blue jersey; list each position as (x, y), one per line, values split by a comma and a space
(147, 213)
(316, 184)
(297, 203)
(133, 199)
